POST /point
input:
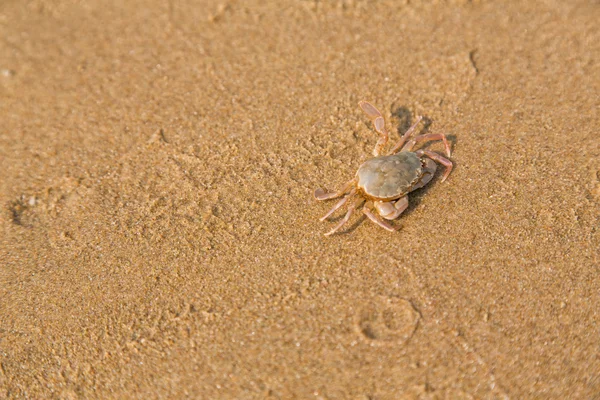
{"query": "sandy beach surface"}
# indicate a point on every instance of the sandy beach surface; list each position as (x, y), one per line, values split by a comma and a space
(158, 234)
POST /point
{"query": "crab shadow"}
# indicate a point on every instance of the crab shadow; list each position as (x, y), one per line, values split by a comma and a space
(405, 121)
(351, 228)
(415, 198)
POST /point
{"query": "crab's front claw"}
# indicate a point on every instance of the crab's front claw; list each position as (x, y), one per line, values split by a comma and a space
(320, 194)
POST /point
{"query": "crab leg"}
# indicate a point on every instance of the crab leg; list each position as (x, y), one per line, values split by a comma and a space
(436, 157)
(320, 194)
(406, 135)
(428, 171)
(378, 122)
(378, 221)
(346, 217)
(338, 204)
(428, 138)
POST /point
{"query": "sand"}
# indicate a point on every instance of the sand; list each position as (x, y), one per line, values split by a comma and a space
(159, 238)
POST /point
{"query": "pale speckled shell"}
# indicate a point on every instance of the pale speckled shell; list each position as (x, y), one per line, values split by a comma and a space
(389, 177)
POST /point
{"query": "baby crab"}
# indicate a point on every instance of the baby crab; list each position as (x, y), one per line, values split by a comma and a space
(385, 181)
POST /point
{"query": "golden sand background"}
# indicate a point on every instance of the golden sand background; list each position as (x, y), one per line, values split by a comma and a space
(158, 233)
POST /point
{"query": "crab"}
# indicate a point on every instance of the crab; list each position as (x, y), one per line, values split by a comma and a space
(383, 182)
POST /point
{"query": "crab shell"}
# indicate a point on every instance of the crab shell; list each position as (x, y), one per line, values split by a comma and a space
(390, 177)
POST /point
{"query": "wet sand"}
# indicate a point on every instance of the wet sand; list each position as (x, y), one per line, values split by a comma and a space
(159, 238)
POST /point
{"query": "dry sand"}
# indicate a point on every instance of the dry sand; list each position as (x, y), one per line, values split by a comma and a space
(158, 233)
